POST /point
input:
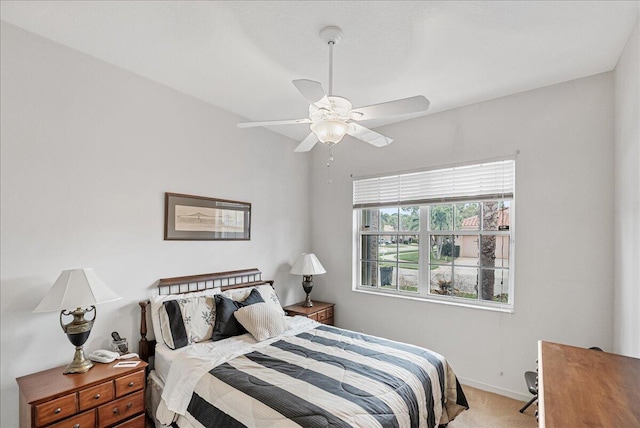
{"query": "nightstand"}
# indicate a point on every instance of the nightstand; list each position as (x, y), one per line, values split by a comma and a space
(103, 396)
(320, 311)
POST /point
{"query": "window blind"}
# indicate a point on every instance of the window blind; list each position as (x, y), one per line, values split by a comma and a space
(491, 180)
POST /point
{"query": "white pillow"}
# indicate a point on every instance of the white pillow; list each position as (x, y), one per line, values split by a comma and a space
(261, 320)
(187, 320)
(156, 303)
(266, 291)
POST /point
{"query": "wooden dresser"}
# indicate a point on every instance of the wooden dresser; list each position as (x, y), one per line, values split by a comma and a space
(105, 396)
(320, 311)
(580, 387)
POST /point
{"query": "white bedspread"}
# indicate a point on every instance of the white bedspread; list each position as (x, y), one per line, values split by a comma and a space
(193, 361)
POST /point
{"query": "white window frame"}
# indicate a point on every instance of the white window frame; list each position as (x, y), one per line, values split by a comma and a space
(499, 192)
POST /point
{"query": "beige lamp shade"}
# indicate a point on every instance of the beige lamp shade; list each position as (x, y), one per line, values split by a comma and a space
(307, 264)
(76, 288)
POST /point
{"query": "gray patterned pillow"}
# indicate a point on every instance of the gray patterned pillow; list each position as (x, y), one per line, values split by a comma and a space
(186, 321)
(261, 320)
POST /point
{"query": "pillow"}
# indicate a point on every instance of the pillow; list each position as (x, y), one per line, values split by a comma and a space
(261, 320)
(226, 325)
(266, 291)
(187, 320)
(156, 303)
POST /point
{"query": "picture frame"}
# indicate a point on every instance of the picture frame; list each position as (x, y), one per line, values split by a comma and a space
(199, 218)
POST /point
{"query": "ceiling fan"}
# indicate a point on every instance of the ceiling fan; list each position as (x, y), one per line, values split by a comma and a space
(332, 117)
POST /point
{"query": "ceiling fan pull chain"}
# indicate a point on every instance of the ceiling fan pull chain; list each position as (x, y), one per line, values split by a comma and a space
(329, 180)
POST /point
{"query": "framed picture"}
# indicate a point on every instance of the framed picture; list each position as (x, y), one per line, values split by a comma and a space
(188, 217)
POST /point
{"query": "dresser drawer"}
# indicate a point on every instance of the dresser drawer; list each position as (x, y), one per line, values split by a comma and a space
(55, 410)
(83, 420)
(95, 396)
(137, 422)
(52, 399)
(130, 383)
(121, 409)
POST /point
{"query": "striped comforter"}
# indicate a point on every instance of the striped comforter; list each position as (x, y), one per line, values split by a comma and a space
(328, 376)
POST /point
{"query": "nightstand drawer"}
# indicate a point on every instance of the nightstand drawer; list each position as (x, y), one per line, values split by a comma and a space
(320, 311)
(323, 316)
(55, 410)
(95, 396)
(83, 420)
(130, 383)
(121, 409)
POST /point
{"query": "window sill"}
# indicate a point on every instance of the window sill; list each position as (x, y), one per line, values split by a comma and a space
(508, 310)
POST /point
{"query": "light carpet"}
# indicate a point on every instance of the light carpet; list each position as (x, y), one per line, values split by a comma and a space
(489, 410)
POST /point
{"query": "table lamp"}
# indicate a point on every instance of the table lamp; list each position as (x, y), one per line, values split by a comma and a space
(307, 265)
(75, 293)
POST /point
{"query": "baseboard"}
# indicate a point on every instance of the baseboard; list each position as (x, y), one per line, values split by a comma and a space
(501, 391)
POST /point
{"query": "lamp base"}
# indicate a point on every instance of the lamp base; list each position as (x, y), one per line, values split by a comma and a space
(307, 302)
(307, 285)
(80, 364)
(78, 332)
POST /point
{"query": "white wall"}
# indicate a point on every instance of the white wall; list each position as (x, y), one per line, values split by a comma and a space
(564, 229)
(627, 199)
(88, 151)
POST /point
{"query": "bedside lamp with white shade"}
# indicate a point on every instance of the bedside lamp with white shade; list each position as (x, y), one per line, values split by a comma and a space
(307, 265)
(75, 293)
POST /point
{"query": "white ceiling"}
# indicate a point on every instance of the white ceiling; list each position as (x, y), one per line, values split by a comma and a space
(243, 55)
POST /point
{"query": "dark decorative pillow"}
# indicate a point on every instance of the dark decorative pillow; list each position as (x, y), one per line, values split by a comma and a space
(226, 324)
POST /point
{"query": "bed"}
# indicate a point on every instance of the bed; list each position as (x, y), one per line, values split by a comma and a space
(226, 355)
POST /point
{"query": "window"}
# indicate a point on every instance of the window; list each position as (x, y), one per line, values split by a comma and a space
(444, 235)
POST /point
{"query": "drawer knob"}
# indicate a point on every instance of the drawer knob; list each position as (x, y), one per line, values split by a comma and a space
(130, 383)
(58, 410)
(76, 426)
(97, 396)
(129, 405)
(116, 411)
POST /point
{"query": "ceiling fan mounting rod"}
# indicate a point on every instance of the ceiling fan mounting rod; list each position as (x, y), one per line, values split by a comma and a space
(331, 68)
(331, 35)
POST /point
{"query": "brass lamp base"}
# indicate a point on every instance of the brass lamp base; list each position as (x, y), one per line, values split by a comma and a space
(307, 302)
(80, 364)
(307, 285)
(78, 332)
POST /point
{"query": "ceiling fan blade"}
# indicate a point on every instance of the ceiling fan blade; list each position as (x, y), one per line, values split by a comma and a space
(368, 136)
(273, 122)
(307, 144)
(312, 91)
(391, 108)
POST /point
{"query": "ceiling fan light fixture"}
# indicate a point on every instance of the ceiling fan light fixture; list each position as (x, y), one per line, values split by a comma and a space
(330, 131)
(331, 117)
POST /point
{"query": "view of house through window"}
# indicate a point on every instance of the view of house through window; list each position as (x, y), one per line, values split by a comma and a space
(458, 251)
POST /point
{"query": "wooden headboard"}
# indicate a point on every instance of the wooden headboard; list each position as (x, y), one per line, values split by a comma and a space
(188, 284)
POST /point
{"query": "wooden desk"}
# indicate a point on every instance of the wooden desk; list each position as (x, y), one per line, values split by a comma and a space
(580, 387)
